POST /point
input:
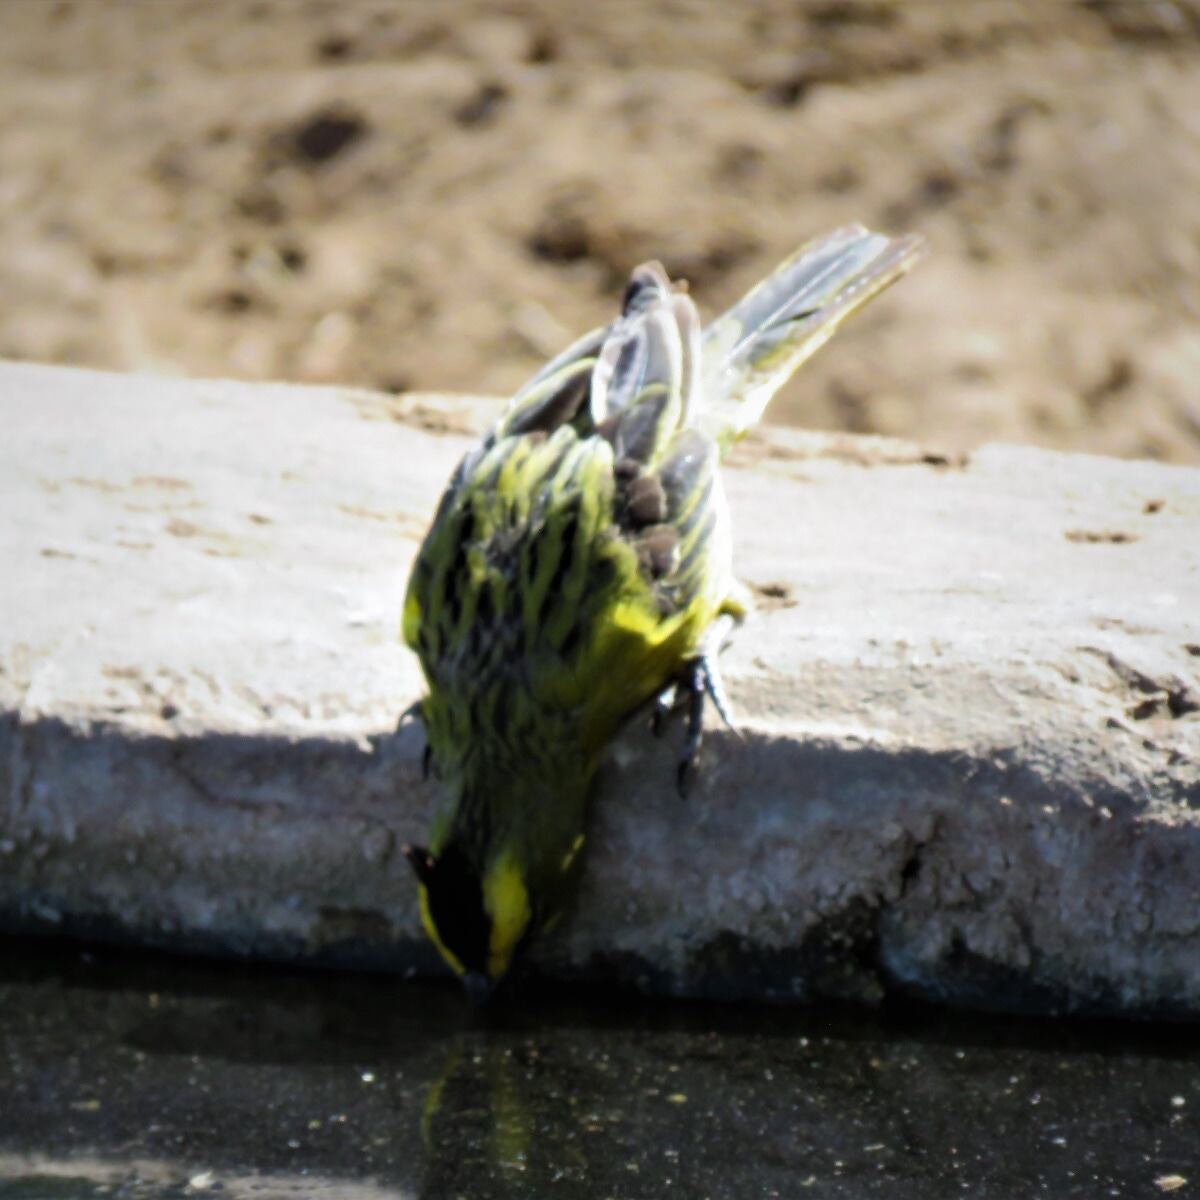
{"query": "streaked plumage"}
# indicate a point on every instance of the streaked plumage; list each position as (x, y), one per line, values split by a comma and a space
(580, 562)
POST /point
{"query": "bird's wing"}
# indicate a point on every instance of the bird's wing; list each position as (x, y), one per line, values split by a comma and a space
(633, 382)
(557, 395)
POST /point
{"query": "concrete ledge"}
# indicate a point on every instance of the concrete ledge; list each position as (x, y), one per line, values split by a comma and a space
(970, 760)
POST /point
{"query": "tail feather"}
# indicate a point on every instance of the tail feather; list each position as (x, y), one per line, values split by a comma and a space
(754, 348)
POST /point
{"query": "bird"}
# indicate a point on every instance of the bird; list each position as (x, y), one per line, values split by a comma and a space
(579, 568)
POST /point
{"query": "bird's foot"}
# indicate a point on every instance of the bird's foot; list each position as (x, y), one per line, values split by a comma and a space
(414, 713)
(411, 713)
(702, 681)
(664, 704)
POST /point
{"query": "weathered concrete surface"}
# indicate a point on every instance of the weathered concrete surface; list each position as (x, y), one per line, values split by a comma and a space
(969, 764)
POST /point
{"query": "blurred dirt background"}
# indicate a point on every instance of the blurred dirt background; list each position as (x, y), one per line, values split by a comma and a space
(418, 196)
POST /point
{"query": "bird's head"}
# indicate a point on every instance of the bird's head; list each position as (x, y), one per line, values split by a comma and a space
(476, 918)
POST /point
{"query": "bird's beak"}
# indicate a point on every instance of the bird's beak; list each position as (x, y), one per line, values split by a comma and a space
(478, 988)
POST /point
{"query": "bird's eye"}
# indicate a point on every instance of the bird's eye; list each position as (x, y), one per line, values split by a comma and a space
(421, 861)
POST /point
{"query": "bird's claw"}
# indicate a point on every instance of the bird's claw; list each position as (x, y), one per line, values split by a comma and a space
(664, 702)
(414, 712)
(411, 713)
(683, 776)
(702, 681)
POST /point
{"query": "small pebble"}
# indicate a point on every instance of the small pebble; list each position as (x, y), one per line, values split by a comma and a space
(1169, 1183)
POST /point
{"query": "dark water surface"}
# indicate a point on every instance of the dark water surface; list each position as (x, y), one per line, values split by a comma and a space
(125, 1077)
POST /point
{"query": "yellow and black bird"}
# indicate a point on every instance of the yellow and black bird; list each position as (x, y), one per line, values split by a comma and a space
(580, 564)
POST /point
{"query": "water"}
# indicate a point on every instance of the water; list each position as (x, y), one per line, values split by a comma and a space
(149, 1079)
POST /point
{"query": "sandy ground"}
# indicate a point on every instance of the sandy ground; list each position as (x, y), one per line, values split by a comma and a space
(419, 196)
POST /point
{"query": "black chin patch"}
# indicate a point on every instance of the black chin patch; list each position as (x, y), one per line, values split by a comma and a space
(455, 903)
